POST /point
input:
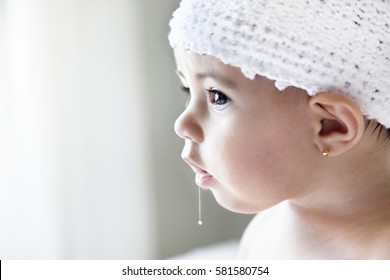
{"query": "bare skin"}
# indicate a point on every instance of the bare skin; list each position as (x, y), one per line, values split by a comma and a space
(260, 151)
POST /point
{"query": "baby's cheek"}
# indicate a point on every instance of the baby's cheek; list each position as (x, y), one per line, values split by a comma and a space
(242, 158)
(253, 159)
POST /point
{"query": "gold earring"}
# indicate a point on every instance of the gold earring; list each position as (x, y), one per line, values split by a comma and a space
(325, 152)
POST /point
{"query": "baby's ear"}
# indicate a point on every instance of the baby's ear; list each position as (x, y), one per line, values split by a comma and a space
(338, 123)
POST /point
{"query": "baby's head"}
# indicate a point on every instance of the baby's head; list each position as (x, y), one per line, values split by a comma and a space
(342, 46)
(264, 75)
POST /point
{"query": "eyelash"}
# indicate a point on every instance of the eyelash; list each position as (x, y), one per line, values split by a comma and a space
(187, 94)
(213, 100)
(186, 90)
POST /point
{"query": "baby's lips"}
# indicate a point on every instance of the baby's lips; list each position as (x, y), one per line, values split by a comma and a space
(202, 177)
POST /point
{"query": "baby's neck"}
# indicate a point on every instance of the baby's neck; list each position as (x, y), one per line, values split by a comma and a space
(343, 215)
(290, 232)
(347, 212)
(355, 203)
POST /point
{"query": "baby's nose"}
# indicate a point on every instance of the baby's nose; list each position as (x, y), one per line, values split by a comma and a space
(188, 127)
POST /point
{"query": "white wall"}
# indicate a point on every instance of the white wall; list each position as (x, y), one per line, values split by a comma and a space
(90, 166)
(74, 144)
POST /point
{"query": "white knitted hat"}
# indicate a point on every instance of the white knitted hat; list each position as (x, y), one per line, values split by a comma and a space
(316, 45)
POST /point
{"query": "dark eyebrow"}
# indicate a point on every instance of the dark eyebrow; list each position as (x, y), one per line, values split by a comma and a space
(211, 75)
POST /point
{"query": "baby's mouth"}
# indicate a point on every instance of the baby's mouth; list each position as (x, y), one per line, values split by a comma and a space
(202, 177)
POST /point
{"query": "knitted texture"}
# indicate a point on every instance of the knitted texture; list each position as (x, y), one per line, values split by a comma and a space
(317, 45)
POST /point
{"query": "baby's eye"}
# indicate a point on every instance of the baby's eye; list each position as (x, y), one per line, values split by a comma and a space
(217, 99)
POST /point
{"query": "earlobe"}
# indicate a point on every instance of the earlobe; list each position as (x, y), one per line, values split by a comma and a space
(337, 121)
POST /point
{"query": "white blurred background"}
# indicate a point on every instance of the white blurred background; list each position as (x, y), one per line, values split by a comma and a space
(90, 166)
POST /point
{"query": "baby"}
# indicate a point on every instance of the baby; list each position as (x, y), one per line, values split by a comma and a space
(288, 117)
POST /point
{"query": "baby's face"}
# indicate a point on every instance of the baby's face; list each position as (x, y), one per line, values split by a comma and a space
(243, 137)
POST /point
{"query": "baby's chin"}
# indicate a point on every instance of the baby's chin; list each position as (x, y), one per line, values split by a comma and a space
(236, 205)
